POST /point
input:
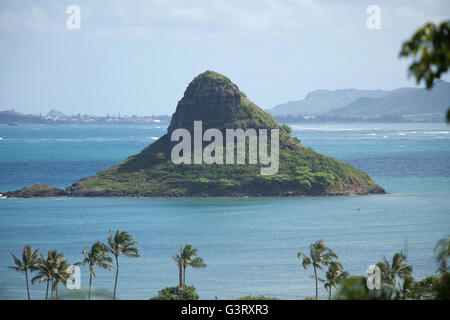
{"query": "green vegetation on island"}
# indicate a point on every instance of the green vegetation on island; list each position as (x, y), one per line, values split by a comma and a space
(218, 103)
(214, 99)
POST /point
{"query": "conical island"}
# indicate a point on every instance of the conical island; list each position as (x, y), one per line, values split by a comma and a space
(219, 104)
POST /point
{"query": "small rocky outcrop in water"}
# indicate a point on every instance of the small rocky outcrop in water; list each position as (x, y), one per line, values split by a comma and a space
(37, 190)
(218, 103)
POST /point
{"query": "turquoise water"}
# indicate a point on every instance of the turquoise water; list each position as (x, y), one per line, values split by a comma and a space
(249, 244)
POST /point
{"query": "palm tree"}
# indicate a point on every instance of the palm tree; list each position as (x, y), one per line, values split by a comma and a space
(44, 271)
(29, 262)
(178, 258)
(121, 243)
(319, 255)
(190, 259)
(98, 255)
(333, 276)
(399, 268)
(443, 253)
(407, 288)
(58, 266)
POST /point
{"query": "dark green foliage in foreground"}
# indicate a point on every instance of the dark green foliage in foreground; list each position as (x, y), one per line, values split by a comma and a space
(189, 258)
(28, 262)
(59, 271)
(425, 289)
(393, 271)
(53, 270)
(429, 288)
(354, 288)
(430, 47)
(97, 255)
(82, 294)
(121, 243)
(172, 293)
(334, 275)
(442, 250)
(318, 256)
(259, 297)
(443, 287)
(397, 282)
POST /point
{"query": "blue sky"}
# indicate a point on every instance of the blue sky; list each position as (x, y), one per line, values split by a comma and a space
(137, 57)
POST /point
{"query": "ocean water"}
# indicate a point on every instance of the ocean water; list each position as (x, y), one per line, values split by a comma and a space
(249, 244)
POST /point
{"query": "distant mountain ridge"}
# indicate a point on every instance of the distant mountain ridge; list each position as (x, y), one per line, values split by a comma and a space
(369, 103)
(405, 102)
(322, 101)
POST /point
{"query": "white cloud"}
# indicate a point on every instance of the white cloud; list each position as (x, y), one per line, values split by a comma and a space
(227, 19)
(29, 19)
(220, 21)
(211, 18)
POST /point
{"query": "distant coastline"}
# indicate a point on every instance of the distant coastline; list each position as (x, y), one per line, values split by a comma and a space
(426, 117)
(11, 117)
